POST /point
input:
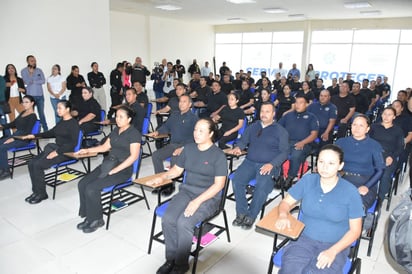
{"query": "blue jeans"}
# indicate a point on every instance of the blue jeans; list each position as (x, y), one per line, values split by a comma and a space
(247, 171)
(40, 109)
(54, 102)
(3, 150)
(297, 157)
(301, 257)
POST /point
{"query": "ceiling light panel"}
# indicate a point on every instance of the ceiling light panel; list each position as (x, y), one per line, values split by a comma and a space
(275, 10)
(357, 5)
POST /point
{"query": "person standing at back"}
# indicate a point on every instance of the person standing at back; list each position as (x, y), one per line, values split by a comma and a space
(96, 82)
(33, 78)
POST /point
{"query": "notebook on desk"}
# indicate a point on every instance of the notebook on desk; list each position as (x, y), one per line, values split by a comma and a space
(267, 223)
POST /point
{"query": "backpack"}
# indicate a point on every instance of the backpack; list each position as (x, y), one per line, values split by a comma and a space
(399, 234)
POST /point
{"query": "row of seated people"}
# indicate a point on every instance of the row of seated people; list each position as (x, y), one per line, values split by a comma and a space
(266, 129)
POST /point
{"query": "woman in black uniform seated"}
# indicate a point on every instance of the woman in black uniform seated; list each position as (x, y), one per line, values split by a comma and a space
(66, 133)
(87, 112)
(123, 145)
(198, 198)
(232, 118)
(23, 124)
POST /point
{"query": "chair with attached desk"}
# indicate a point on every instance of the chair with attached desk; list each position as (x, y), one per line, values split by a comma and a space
(145, 140)
(101, 126)
(267, 224)
(117, 194)
(22, 160)
(55, 178)
(239, 134)
(161, 209)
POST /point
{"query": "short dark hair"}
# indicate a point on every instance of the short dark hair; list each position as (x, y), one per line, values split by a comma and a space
(361, 115)
(93, 63)
(212, 127)
(304, 97)
(129, 111)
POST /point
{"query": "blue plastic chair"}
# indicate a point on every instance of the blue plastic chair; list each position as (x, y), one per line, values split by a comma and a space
(145, 140)
(52, 179)
(161, 209)
(23, 159)
(100, 130)
(375, 210)
(239, 134)
(118, 192)
(352, 264)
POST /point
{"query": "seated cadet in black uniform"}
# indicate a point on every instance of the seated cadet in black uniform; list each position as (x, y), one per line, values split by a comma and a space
(180, 126)
(306, 92)
(285, 102)
(201, 95)
(216, 102)
(232, 118)
(87, 112)
(142, 98)
(245, 96)
(360, 99)
(326, 113)
(173, 103)
(345, 103)
(131, 102)
(404, 121)
(123, 145)
(206, 169)
(390, 137)
(66, 133)
(303, 128)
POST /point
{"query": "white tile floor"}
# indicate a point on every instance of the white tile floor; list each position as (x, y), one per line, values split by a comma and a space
(43, 238)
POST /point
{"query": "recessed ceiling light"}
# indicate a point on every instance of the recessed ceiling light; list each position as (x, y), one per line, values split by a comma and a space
(357, 5)
(274, 10)
(370, 12)
(236, 20)
(168, 7)
(241, 1)
(297, 16)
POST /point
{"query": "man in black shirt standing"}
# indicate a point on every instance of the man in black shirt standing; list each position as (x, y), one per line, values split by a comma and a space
(334, 88)
(180, 69)
(194, 67)
(116, 91)
(139, 72)
(223, 69)
(96, 82)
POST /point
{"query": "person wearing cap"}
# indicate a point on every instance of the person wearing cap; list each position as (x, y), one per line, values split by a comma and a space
(303, 128)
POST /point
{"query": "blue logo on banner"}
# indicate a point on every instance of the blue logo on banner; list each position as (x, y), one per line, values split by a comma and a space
(325, 75)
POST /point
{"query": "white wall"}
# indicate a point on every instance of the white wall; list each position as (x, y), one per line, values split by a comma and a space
(155, 38)
(65, 32)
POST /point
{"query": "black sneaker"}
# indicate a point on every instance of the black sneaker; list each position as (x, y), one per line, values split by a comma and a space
(247, 223)
(239, 220)
(166, 268)
(93, 226)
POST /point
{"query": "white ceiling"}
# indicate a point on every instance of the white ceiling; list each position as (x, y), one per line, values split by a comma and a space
(216, 12)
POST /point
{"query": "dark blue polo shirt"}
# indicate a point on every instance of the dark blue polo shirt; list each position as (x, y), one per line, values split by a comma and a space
(324, 113)
(299, 125)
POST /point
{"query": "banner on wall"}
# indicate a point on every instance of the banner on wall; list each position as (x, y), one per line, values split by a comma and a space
(325, 75)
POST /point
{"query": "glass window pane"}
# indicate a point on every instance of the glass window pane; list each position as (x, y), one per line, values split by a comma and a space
(256, 57)
(406, 36)
(288, 37)
(257, 37)
(402, 78)
(330, 60)
(370, 61)
(332, 36)
(287, 54)
(228, 38)
(229, 54)
(376, 36)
